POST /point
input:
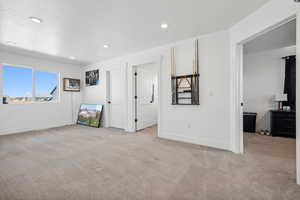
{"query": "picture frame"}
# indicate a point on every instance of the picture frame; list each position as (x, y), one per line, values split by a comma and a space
(92, 77)
(71, 85)
(90, 115)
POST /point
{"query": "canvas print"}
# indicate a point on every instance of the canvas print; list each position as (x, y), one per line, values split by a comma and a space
(71, 85)
(92, 77)
(90, 115)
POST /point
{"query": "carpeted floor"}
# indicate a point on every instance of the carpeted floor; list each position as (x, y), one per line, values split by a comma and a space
(85, 163)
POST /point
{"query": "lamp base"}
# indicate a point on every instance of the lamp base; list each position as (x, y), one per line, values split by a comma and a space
(280, 107)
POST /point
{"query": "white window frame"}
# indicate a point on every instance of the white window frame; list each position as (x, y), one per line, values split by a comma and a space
(34, 69)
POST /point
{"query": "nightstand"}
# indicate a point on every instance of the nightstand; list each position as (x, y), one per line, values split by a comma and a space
(283, 123)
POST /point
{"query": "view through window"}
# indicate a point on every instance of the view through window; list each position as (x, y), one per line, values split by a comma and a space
(45, 86)
(18, 85)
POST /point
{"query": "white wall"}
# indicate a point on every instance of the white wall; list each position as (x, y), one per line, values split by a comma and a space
(24, 117)
(264, 74)
(97, 94)
(207, 124)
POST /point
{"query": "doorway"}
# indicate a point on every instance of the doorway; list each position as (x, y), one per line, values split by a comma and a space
(268, 83)
(267, 93)
(145, 95)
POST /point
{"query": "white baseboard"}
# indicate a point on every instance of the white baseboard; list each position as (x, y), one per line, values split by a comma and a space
(151, 123)
(26, 129)
(199, 141)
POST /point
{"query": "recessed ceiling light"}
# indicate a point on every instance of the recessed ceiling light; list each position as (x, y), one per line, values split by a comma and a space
(72, 57)
(164, 26)
(36, 20)
(106, 46)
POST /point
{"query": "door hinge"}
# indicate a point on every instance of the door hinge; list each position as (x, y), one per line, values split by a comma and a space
(135, 120)
(135, 73)
(242, 104)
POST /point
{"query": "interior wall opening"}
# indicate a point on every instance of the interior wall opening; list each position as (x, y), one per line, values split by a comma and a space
(268, 97)
(145, 87)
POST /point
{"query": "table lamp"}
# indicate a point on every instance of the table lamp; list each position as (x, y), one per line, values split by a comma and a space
(280, 98)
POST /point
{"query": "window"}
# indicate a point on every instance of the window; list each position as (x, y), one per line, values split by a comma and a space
(18, 85)
(45, 86)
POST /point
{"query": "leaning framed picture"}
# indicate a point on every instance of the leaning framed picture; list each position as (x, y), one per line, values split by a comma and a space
(90, 115)
(92, 77)
(71, 85)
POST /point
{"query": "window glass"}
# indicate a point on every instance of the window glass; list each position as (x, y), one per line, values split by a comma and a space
(17, 84)
(45, 86)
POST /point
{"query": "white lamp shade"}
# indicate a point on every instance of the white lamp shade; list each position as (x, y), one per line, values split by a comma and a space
(281, 97)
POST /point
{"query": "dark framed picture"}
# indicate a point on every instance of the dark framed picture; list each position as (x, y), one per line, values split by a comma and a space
(90, 115)
(92, 77)
(71, 84)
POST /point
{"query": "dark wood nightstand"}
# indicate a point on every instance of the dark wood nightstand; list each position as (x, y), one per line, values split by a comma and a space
(283, 123)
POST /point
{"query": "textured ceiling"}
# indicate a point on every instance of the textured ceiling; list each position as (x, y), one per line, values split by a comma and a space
(80, 28)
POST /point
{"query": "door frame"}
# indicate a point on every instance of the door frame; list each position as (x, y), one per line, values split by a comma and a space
(131, 89)
(237, 89)
(107, 99)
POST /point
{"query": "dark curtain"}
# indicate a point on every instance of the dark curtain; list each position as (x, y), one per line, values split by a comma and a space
(290, 81)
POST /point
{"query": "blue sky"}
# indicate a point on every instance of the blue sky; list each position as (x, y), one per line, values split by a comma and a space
(17, 81)
(45, 82)
(91, 106)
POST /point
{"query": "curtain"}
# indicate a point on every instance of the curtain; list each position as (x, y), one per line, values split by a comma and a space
(290, 81)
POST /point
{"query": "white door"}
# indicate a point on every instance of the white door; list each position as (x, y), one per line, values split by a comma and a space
(115, 98)
(146, 102)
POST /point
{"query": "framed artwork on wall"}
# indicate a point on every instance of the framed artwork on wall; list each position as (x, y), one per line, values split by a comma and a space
(71, 85)
(90, 115)
(92, 77)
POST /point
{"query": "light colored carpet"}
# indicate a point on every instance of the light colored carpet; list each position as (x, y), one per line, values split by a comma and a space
(85, 163)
